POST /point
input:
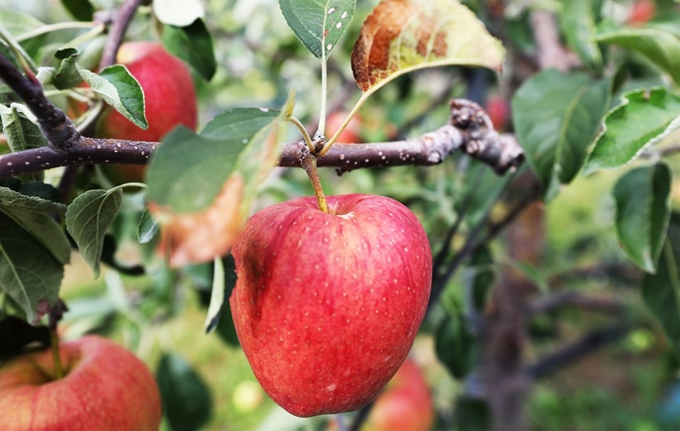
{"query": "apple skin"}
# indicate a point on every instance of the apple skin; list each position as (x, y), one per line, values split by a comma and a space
(169, 98)
(404, 405)
(105, 388)
(326, 306)
(641, 12)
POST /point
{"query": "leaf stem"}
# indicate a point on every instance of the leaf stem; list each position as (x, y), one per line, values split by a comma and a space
(53, 27)
(324, 94)
(344, 124)
(26, 61)
(309, 165)
(305, 135)
(58, 370)
(85, 37)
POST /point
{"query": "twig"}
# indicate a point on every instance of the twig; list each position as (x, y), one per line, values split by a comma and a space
(561, 300)
(121, 21)
(551, 53)
(573, 352)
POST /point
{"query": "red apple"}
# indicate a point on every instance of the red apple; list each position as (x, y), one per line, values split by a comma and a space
(351, 134)
(105, 387)
(169, 98)
(498, 110)
(641, 12)
(404, 405)
(326, 306)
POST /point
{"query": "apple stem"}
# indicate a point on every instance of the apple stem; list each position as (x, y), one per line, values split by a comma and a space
(58, 370)
(309, 165)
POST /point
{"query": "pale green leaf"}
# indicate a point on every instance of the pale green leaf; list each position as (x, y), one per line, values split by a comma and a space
(216, 297)
(556, 118)
(643, 118)
(19, 129)
(319, 24)
(28, 272)
(117, 87)
(147, 228)
(180, 13)
(87, 220)
(659, 46)
(642, 198)
(405, 35)
(578, 24)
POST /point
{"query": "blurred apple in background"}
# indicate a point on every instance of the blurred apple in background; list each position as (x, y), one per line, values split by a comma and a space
(351, 134)
(104, 387)
(499, 111)
(641, 12)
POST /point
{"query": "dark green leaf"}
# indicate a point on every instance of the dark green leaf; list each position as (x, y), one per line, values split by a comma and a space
(642, 198)
(556, 117)
(87, 220)
(16, 336)
(187, 402)
(643, 118)
(216, 297)
(81, 10)
(661, 291)
(7, 95)
(188, 171)
(117, 87)
(193, 44)
(20, 132)
(28, 272)
(455, 346)
(318, 24)
(661, 47)
(225, 326)
(578, 24)
(472, 414)
(147, 228)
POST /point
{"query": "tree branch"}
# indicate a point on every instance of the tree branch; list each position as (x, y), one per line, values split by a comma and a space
(121, 21)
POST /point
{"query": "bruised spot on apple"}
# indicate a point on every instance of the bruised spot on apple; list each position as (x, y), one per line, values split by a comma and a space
(105, 387)
(326, 306)
(169, 100)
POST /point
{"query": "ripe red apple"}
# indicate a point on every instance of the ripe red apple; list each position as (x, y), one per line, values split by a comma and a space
(326, 306)
(351, 134)
(169, 98)
(404, 405)
(105, 387)
(641, 12)
(498, 110)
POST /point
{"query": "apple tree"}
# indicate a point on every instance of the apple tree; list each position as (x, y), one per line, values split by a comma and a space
(177, 150)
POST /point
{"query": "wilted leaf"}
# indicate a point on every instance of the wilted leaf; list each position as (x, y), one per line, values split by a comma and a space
(318, 24)
(661, 291)
(405, 35)
(201, 236)
(117, 87)
(556, 117)
(642, 198)
(644, 118)
(661, 47)
(20, 132)
(28, 272)
(180, 13)
(193, 44)
(186, 399)
(578, 24)
(87, 220)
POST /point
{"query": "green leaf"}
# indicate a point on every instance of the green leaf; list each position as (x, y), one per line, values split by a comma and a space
(659, 46)
(225, 326)
(44, 229)
(401, 36)
(578, 24)
(147, 227)
(187, 172)
(117, 87)
(28, 272)
(472, 414)
(87, 220)
(216, 297)
(319, 24)
(67, 76)
(193, 44)
(644, 118)
(455, 346)
(180, 13)
(661, 291)
(556, 117)
(186, 399)
(642, 198)
(81, 10)
(18, 23)
(20, 131)
(669, 22)
(7, 95)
